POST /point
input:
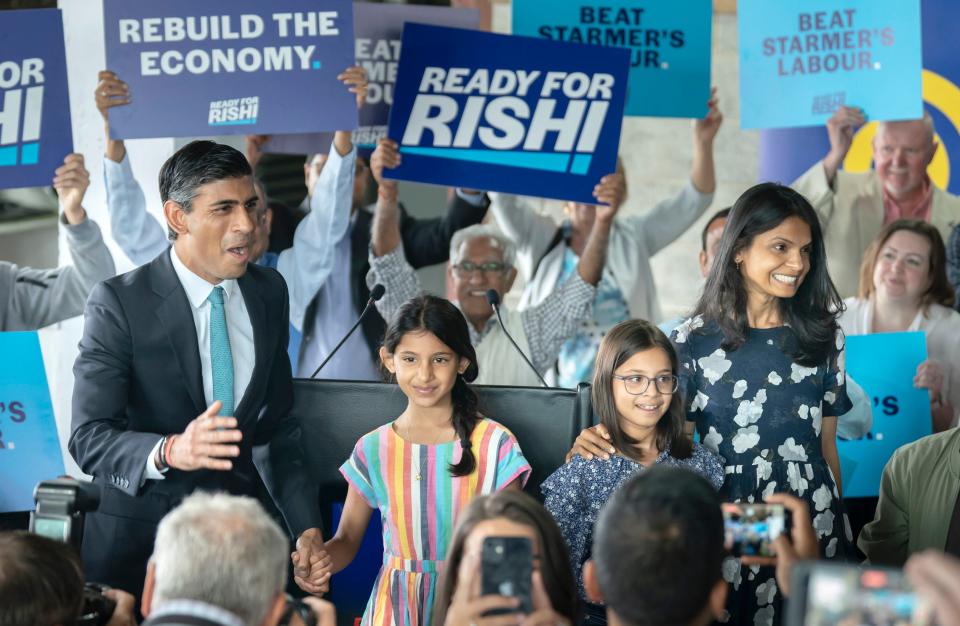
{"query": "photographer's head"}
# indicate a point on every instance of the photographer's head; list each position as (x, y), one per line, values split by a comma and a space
(41, 581)
(220, 550)
(658, 550)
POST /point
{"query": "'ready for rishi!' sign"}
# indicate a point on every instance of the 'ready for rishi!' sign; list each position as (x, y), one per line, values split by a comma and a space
(506, 113)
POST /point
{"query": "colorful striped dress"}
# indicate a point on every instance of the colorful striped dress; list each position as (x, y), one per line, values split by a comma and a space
(419, 502)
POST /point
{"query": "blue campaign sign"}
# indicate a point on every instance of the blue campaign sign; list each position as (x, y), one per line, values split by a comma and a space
(378, 29)
(884, 364)
(246, 66)
(29, 447)
(35, 132)
(506, 113)
(802, 59)
(669, 45)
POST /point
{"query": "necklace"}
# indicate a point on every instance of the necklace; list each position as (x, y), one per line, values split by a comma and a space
(436, 440)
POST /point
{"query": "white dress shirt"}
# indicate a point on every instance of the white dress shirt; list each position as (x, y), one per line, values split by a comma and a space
(239, 329)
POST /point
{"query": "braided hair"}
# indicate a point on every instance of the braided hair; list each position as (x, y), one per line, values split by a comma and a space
(440, 317)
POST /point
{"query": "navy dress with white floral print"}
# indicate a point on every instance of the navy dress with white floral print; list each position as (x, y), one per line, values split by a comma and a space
(761, 412)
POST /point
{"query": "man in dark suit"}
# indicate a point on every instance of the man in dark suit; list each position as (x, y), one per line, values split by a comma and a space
(182, 381)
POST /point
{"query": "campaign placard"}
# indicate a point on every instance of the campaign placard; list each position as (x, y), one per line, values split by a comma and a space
(29, 447)
(669, 42)
(802, 59)
(884, 364)
(378, 29)
(506, 113)
(35, 133)
(240, 67)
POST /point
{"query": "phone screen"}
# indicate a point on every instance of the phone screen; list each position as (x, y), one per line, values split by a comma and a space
(749, 529)
(840, 595)
(507, 570)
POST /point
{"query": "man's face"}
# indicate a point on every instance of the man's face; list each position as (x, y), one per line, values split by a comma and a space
(216, 238)
(901, 153)
(361, 179)
(311, 172)
(714, 234)
(480, 267)
(581, 215)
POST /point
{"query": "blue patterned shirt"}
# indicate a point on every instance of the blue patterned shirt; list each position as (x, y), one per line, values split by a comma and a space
(575, 493)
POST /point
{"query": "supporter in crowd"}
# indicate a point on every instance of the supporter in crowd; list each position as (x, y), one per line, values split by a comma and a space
(919, 507)
(32, 298)
(440, 452)
(220, 560)
(634, 394)
(904, 287)
(506, 514)
(658, 551)
(41, 584)
(710, 240)
(547, 254)
(953, 263)
(853, 207)
(936, 577)
(482, 258)
(196, 332)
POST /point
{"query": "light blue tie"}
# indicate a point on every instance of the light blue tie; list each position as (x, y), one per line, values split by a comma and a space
(221, 358)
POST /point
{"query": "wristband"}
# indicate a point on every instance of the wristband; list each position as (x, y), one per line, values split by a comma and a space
(165, 445)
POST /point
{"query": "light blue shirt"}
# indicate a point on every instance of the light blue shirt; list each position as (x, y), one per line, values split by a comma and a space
(305, 267)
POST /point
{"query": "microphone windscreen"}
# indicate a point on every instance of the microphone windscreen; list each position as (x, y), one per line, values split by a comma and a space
(377, 292)
(493, 298)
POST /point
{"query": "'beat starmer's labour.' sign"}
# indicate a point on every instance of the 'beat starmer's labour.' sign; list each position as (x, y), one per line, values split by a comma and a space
(34, 104)
(506, 113)
(245, 66)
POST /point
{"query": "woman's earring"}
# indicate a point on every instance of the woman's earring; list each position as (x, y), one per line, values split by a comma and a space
(737, 263)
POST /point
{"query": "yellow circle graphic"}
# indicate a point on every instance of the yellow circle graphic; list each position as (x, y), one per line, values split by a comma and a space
(939, 93)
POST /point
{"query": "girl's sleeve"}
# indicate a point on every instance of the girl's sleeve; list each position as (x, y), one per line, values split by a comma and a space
(511, 464)
(356, 470)
(835, 399)
(565, 497)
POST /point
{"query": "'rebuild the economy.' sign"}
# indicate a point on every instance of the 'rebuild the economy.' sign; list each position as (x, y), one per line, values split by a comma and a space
(35, 132)
(506, 113)
(802, 59)
(200, 68)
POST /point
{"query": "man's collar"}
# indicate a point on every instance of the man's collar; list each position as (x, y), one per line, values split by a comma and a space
(197, 289)
(196, 608)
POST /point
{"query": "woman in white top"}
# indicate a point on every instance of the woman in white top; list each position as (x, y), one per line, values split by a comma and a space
(547, 252)
(904, 287)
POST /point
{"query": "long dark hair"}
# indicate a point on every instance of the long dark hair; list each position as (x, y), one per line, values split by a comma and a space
(438, 316)
(518, 507)
(810, 313)
(622, 342)
(939, 291)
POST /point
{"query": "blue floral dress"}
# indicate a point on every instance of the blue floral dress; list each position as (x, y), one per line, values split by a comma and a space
(575, 493)
(762, 413)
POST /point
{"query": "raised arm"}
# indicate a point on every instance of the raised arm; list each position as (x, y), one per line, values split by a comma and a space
(139, 235)
(43, 297)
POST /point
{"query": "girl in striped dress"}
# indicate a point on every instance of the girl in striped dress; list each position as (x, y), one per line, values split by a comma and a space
(421, 470)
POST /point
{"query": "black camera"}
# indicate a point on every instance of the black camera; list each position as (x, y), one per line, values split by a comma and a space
(60, 508)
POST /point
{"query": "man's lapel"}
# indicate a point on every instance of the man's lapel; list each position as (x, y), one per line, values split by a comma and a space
(265, 335)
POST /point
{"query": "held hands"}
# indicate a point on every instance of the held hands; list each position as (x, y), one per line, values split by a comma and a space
(610, 193)
(705, 130)
(387, 155)
(71, 181)
(312, 566)
(801, 546)
(207, 443)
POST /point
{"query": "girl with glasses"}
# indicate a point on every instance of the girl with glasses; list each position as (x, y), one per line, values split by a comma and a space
(635, 398)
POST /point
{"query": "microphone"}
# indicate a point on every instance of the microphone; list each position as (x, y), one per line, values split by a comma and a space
(375, 294)
(493, 298)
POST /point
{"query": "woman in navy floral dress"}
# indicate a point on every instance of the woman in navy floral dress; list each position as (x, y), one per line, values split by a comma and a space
(761, 364)
(634, 394)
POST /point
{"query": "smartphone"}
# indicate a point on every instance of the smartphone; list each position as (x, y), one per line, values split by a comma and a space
(835, 594)
(506, 569)
(750, 529)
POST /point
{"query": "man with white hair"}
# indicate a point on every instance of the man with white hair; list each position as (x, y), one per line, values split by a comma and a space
(483, 258)
(219, 560)
(853, 207)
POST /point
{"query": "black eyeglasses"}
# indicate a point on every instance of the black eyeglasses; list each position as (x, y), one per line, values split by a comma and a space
(468, 267)
(636, 384)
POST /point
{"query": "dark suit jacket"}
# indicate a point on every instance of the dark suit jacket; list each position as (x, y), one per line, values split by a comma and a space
(138, 377)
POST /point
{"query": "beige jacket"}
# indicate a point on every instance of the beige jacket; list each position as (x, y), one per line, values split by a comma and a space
(851, 214)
